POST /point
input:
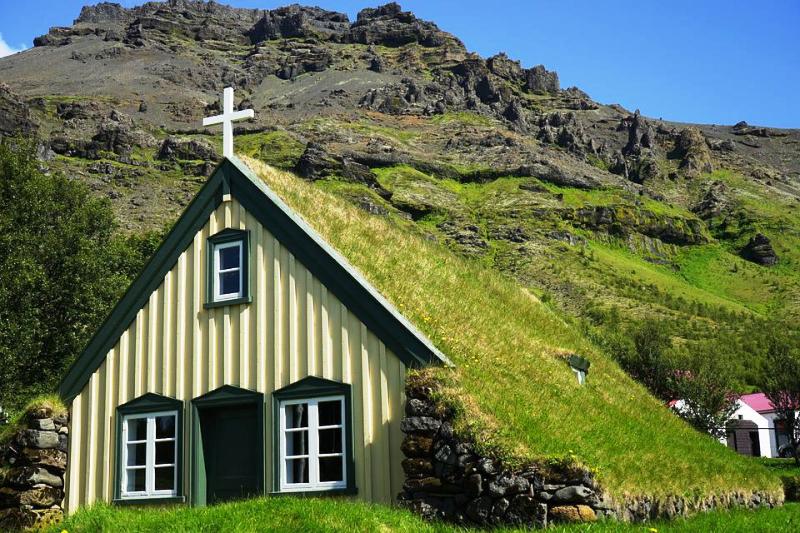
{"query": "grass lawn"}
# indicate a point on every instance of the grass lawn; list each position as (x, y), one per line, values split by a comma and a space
(511, 385)
(311, 514)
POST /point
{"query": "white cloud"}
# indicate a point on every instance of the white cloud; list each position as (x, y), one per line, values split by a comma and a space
(6, 49)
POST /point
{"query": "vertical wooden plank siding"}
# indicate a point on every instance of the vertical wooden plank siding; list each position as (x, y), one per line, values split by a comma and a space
(293, 328)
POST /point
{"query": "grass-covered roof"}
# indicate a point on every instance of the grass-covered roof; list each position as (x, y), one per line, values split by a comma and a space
(511, 384)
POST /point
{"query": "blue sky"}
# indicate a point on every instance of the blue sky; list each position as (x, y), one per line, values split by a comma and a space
(694, 61)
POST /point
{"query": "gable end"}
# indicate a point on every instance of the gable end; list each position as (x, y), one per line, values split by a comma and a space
(234, 178)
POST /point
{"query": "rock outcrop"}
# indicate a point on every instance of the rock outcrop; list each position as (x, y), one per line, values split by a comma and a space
(759, 250)
(691, 148)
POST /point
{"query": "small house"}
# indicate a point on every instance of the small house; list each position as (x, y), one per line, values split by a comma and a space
(248, 358)
(755, 428)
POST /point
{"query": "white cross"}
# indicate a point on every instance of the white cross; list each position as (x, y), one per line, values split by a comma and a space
(226, 119)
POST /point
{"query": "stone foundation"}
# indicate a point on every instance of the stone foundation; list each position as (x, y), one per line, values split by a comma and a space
(32, 472)
(447, 479)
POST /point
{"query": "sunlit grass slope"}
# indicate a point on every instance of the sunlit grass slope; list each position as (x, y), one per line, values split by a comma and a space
(515, 391)
(335, 515)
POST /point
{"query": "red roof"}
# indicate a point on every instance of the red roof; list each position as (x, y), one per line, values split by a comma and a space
(759, 402)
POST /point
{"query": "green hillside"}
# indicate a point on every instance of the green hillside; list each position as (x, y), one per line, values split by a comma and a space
(511, 386)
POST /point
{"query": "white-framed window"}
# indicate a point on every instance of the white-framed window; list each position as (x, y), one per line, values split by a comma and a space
(312, 444)
(228, 271)
(149, 455)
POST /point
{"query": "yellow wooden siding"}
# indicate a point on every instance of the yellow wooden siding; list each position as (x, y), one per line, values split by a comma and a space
(293, 328)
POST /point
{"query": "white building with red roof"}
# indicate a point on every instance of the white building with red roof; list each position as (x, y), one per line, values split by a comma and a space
(755, 428)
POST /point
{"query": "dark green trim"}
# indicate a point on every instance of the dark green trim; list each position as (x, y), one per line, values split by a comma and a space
(349, 286)
(226, 236)
(308, 388)
(579, 363)
(148, 403)
(223, 396)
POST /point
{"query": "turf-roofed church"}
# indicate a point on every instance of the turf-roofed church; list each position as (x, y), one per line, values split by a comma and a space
(248, 358)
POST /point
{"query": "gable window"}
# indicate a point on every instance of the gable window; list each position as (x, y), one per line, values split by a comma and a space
(314, 442)
(149, 434)
(228, 270)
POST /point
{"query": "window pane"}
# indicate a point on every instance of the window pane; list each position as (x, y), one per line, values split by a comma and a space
(136, 480)
(229, 282)
(297, 471)
(297, 415)
(137, 429)
(297, 443)
(165, 478)
(330, 441)
(165, 453)
(330, 413)
(229, 257)
(330, 469)
(137, 454)
(165, 427)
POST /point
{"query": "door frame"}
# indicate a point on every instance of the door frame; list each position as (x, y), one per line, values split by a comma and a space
(227, 395)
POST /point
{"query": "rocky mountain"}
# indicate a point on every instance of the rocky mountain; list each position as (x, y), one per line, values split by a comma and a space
(605, 211)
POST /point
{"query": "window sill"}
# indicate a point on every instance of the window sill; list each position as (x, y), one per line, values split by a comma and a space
(155, 500)
(223, 303)
(347, 491)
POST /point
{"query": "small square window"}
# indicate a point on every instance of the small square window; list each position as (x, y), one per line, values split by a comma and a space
(227, 268)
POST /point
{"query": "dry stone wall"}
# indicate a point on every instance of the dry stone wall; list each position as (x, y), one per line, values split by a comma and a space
(448, 479)
(32, 466)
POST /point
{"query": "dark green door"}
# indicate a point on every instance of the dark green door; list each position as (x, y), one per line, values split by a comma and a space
(231, 452)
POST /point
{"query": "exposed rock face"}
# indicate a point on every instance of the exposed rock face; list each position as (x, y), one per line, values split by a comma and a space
(175, 148)
(299, 21)
(759, 250)
(692, 149)
(389, 25)
(35, 460)
(317, 163)
(15, 116)
(715, 201)
(541, 80)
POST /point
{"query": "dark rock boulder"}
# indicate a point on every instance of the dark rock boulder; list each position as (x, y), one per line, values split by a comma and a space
(175, 148)
(759, 250)
(541, 80)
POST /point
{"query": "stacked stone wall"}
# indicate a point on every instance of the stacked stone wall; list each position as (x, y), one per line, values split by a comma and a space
(32, 466)
(448, 479)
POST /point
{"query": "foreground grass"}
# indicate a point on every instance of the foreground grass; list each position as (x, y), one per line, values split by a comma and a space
(511, 384)
(311, 514)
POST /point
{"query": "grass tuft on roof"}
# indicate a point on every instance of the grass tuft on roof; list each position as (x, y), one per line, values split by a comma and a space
(511, 385)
